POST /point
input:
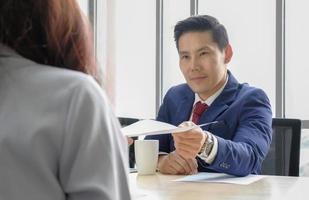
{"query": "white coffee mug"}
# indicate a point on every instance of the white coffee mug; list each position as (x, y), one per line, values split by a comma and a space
(146, 156)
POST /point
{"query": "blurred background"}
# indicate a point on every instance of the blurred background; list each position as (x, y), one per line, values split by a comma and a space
(138, 59)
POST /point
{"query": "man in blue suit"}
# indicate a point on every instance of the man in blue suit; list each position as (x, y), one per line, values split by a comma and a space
(238, 143)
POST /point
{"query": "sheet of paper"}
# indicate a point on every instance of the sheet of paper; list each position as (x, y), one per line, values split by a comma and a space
(220, 178)
(152, 127)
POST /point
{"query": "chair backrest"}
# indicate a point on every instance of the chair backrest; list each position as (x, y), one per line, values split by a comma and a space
(124, 121)
(283, 156)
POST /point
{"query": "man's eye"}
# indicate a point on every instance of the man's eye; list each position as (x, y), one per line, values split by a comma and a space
(203, 53)
(184, 57)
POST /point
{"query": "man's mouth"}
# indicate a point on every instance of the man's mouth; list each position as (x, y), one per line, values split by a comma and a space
(197, 78)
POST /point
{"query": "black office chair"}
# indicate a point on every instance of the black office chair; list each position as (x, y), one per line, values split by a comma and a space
(283, 156)
(124, 121)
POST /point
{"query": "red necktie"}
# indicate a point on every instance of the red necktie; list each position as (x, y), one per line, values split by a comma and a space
(199, 108)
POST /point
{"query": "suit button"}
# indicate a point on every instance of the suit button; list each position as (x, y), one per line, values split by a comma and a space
(224, 165)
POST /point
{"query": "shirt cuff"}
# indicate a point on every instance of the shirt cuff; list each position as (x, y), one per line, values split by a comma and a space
(213, 152)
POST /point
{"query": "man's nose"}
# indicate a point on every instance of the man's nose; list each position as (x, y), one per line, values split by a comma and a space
(194, 65)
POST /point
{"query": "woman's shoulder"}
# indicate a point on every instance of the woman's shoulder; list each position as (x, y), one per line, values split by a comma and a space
(40, 76)
(30, 80)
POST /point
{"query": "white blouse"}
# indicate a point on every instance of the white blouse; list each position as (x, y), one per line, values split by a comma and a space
(59, 138)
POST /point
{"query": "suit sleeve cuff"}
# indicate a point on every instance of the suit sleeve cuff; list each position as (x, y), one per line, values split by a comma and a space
(161, 153)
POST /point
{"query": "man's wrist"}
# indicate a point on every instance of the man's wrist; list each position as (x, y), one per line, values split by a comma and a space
(204, 144)
(208, 144)
(161, 153)
(209, 152)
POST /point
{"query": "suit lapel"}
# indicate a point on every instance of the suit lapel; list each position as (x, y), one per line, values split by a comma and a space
(212, 113)
(184, 108)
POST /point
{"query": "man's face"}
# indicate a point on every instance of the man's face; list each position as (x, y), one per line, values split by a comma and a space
(202, 63)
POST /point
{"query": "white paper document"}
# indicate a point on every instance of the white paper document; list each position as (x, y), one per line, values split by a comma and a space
(152, 127)
(220, 178)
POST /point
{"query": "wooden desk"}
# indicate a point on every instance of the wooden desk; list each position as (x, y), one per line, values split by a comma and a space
(159, 187)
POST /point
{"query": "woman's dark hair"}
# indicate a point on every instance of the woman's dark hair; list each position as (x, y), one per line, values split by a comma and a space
(202, 23)
(51, 32)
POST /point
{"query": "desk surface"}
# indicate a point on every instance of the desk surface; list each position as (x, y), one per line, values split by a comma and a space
(157, 187)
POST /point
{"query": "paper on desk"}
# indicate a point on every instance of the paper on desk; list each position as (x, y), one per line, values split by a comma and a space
(220, 178)
(152, 127)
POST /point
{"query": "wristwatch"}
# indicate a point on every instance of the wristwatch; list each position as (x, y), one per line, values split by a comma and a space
(207, 146)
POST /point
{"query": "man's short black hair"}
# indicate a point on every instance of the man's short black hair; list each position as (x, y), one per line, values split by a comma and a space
(201, 23)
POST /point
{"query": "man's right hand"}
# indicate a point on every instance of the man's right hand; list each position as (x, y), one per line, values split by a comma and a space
(130, 141)
(173, 163)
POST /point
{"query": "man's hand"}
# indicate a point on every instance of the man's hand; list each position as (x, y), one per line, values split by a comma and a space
(188, 144)
(130, 141)
(175, 164)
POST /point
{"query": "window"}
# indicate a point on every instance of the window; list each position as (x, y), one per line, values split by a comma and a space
(251, 29)
(296, 72)
(171, 71)
(84, 6)
(134, 59)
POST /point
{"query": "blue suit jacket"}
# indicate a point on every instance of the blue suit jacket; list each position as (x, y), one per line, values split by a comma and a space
(243, 132)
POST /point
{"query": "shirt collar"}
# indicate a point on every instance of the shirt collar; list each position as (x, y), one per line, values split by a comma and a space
(212, 98)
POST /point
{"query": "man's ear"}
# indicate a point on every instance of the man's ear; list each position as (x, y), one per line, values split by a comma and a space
(228, 54)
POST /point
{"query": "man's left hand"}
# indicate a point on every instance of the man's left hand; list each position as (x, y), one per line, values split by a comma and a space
(189, 143)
